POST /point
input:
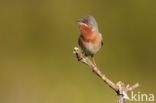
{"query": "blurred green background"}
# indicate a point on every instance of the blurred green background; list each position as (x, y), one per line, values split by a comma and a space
(37, 38)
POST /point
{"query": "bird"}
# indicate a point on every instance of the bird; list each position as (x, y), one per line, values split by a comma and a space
(90, 39)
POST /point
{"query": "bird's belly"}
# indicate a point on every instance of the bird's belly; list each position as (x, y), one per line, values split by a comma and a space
(92, 48)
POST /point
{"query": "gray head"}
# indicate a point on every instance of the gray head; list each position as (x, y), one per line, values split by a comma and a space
(90, 20)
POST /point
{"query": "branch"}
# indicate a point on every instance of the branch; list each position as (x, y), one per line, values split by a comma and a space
(119, 87)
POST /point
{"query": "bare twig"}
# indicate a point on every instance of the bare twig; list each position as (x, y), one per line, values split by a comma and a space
(119, 87)
(133, 87)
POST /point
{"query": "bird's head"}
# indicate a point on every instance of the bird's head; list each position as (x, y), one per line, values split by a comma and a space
(88, 24)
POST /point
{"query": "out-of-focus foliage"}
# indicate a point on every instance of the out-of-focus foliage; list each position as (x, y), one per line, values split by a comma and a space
(36, 42)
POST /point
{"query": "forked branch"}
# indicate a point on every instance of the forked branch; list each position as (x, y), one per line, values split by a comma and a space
(120, 88)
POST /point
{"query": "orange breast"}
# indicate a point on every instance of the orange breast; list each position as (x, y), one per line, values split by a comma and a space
(88, 34)
(91, 36)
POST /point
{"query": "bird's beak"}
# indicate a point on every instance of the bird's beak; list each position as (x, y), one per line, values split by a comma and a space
(81, 23)
(78, 21)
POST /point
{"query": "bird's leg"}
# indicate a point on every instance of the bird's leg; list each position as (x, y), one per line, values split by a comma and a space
(93, 61)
